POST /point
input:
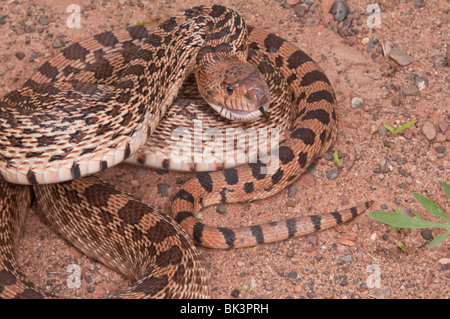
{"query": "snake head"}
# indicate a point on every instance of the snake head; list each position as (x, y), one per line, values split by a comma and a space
(236, 90)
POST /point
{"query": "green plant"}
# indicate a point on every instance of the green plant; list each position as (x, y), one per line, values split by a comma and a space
(391, 128)
(402, 221)
(337, 161)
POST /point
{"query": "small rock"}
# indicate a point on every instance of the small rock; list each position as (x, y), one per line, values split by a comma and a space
(135, 183)
(291, 203)
(402, 185)
(444, 261)
(427, 234)
(44, 20)
(290, 253)
(57, 44)
(400, 57)
(382, 130)
(292, 190)
(300, 10)
(308, 179)
(20, 55)
(346, 258)
(344, 282)
(163, 189)
(356, 102)
(140, 173)
(440, 149)
(438, 60)
(90, 289)
(443, 126)
(221, 209)
(235, 293)
(3, 19)
(388, 4)
(395, 101)
(421, 82)
(419, 4)
(292, 2)
(292, 274)
(440, 138)
(339, 10)
(87, 278)
(268, 287)
(412, 90)
(429, 131)
(332, 174)
(313, 239)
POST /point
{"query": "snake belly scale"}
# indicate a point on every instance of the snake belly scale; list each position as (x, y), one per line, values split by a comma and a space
(60, 127)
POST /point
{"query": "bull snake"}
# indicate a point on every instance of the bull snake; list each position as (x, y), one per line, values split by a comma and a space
(113, 227)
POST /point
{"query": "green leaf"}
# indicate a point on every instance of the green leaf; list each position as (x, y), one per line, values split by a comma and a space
(431, 207)
(403, 221)
(389, 127)
(405, 126)
(336, 158)
(439, 239)
(446, 189)
(401, 245)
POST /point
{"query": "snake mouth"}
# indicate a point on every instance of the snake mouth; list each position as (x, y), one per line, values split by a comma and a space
(241, 115)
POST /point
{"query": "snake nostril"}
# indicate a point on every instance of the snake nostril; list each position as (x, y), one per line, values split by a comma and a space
(257, 96)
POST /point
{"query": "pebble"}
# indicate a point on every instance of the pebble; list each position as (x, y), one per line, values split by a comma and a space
(20, 55)
(419, 4)
(308, 180)
(395, 101)
(135, 183)
(421, 82)
(412, 90)
(44, 20)
(57, 44)
(292, 190)
(440, 138)
(313, 239)
(221, 209)
(140, 173)
(292, 274)
(332, 174)
(443, 126)
(339, 10)
(163, 189)
(444, 261)
(292, 2)
(3, 19)
(90, 289)
(429, 131)
(356, 102)
(388, 4)
(235, 293)
(300, 10)
(346, 258)
(427, 234)
(440, 149)
(87, 278)
(400, 57)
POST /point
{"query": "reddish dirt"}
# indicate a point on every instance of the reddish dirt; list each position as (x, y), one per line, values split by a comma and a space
(360, 259)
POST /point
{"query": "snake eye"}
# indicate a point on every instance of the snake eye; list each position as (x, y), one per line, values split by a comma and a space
(229, 89)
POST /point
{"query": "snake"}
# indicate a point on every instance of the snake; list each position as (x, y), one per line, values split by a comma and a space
(101, 101)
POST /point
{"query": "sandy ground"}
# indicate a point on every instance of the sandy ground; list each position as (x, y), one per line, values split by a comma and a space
(360, 259)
